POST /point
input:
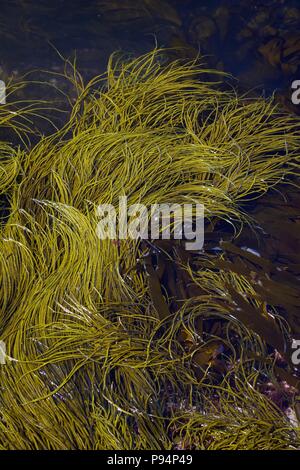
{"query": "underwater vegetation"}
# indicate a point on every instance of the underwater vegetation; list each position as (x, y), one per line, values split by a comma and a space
(126, 344)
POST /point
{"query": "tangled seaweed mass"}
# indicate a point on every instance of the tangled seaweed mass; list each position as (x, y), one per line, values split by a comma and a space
(123, 344)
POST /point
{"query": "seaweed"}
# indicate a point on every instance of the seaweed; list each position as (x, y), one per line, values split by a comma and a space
(104, 354)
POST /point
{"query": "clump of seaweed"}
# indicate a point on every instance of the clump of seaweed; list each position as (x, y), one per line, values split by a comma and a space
(104, 355)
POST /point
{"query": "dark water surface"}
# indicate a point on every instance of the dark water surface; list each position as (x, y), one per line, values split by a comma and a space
(257, 41)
